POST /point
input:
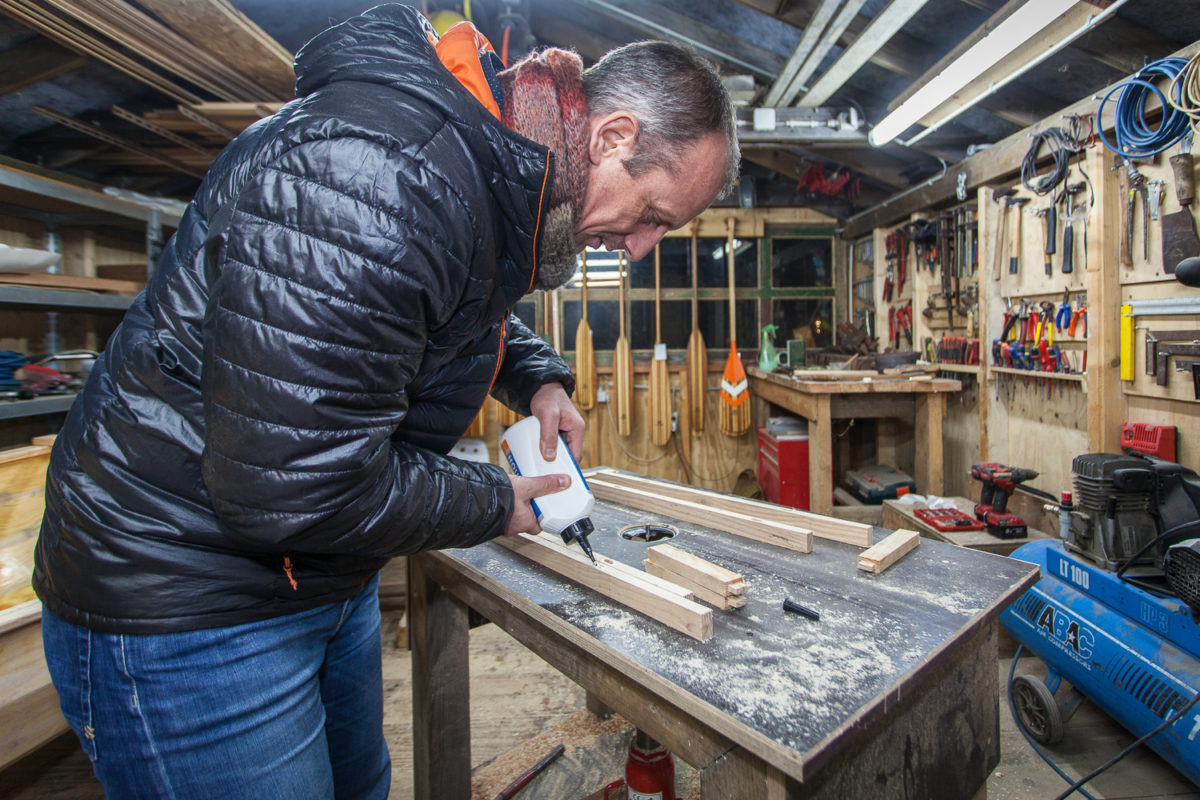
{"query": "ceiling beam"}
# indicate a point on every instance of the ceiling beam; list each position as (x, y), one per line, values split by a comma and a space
(878, 33)
(829, 40)
(808, 41)
(661, 22)
(33, 61)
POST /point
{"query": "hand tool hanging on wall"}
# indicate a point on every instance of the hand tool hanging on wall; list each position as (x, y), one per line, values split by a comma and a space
(1179, 229)
(1014, 257)
(697, 352)
(1068, 256)
(622, 362)
(585, 356)
(735, 391)
(1049, 233)
(945, 237)
(998, 195)
(660, 380)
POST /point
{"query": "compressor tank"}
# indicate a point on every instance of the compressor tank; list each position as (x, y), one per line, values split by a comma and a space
(1134, 654)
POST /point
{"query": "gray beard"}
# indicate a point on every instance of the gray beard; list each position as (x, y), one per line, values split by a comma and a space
(557, 250)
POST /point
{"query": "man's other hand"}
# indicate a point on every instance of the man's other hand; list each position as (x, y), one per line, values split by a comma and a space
(556, 413)
(523, 520)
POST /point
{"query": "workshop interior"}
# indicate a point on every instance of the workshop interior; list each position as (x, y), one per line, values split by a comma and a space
(888, 485)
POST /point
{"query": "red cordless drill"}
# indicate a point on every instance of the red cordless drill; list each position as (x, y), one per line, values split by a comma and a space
(999, 482)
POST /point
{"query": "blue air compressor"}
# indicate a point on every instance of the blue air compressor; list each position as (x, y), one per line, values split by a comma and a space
(1115, 612)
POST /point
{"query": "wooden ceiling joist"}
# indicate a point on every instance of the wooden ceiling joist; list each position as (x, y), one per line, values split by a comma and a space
(170, 136)
(33, 61)
(204, 122)
(117, 141)
(77, 38)
(808, 41)
(881, 30)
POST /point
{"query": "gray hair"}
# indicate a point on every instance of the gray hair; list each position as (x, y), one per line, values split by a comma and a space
(677, 97)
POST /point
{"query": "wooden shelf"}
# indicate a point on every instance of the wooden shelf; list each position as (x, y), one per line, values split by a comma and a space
(58, 299)
(50, 404)
(1032, 373)
(966, 369)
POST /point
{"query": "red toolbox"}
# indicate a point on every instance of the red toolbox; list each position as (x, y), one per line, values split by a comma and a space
(783, 466)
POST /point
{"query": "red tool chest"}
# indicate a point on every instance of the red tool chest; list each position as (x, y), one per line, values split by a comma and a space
(783, 467)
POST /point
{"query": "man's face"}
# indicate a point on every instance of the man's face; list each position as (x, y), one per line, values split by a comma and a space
(623, 212)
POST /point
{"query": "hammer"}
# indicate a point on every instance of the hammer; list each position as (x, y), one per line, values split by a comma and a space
(1049, 216)
(1014, 257)
(998, 194)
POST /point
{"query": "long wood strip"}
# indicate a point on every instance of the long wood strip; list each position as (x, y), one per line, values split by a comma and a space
(739, 524)
(106, 26)
(78, 39)
(838, 530)
(703, 593)
(226, 33)
(881, 556)
(699, 570)
(633, 572)
(671, 610)
(159, 43)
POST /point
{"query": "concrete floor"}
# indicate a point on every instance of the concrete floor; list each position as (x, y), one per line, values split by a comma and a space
(517, 697)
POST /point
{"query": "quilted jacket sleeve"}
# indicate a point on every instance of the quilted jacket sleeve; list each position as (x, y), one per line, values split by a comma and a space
(338, 258)
(528, 363)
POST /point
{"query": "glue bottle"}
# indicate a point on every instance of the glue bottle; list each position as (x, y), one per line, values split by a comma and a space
(567, 512)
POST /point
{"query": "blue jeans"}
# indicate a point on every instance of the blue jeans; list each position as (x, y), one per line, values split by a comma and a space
(287, 707)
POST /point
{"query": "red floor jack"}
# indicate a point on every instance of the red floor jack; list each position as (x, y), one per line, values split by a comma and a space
(999, 482)
(649, 772)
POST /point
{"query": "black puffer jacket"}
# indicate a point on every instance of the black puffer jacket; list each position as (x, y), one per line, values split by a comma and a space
(270, 422)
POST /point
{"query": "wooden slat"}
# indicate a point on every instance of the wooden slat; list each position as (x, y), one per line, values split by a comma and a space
(697, 569)
(633, 572)
(738, 523)
(670, 609)
(838, 530)
(159, 44)
(81, 282)
(79, 39)
(224, 32)
(881, 556)
(703, 593)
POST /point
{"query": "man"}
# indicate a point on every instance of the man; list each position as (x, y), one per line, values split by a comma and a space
(271, 421)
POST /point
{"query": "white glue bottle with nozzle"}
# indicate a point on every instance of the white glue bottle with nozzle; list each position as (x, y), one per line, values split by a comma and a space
(567, 512)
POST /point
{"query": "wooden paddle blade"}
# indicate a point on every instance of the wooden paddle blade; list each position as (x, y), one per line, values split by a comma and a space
(478, 426)
(585, 367)
(697, 377)
(660, 402)
(623, 386)
(735, 421)
(734, 386)
(735, 391)
(505, 416)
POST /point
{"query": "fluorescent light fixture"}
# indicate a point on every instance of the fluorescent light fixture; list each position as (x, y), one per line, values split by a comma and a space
(1021, 26)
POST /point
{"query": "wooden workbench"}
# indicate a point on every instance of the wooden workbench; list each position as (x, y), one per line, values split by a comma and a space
(892, 693)
(821, 402)
(897, 514)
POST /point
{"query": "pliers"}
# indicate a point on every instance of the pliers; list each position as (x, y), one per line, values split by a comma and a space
(1080, 313)
(1063, 318)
